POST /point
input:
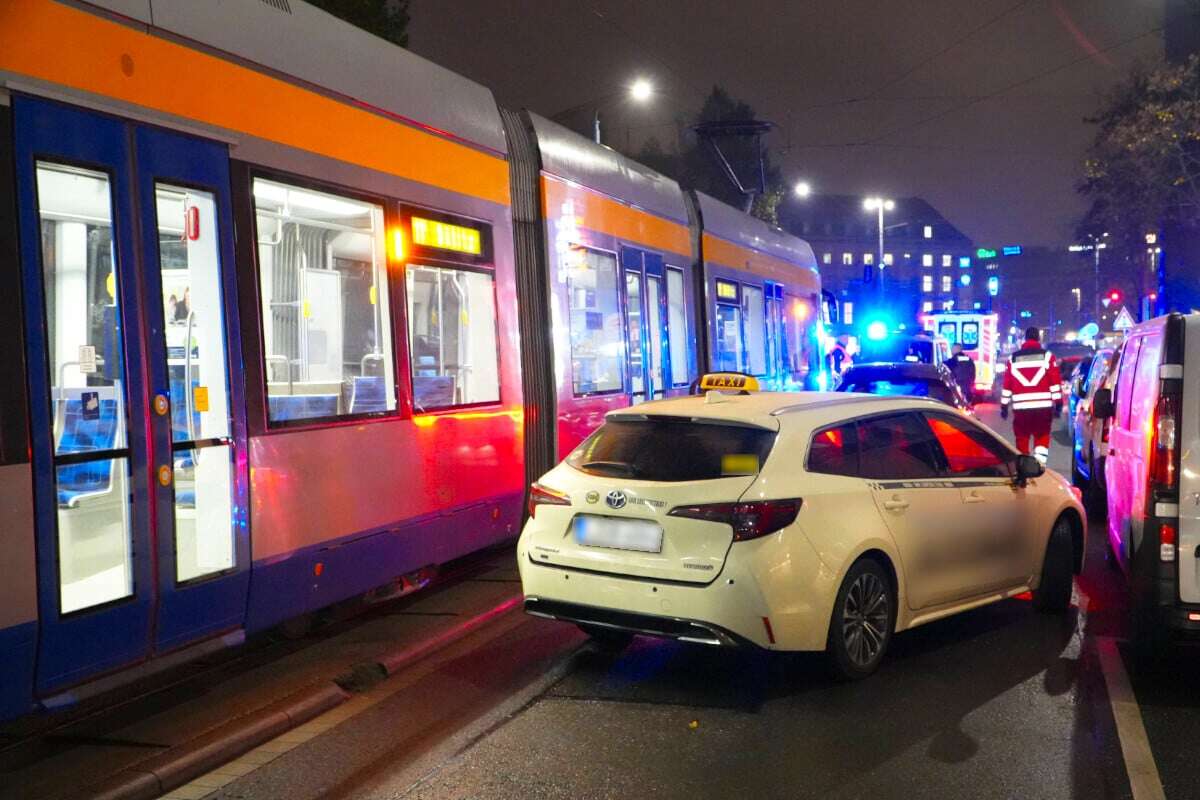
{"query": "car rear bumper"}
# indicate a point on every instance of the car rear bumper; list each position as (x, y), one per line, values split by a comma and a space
(678, 628)
(1177, 618)
(773, 593)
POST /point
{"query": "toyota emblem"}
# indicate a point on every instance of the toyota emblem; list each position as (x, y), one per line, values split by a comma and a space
(615, 499)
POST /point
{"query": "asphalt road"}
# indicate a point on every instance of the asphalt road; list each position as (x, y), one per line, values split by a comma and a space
(1001, 702)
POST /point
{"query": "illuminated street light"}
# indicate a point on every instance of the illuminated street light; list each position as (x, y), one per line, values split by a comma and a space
(641, 90)
(802, 189)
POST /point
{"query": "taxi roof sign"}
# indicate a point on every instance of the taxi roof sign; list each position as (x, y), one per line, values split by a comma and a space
(727, 381)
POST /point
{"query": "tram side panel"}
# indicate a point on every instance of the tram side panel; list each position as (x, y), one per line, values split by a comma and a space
(620, 270)
(18, 590)
(416, 456)
(762, 300)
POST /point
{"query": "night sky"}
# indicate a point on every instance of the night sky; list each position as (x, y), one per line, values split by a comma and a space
(976, 105)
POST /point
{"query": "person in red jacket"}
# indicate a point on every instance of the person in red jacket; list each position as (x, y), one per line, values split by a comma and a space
(1033, 389)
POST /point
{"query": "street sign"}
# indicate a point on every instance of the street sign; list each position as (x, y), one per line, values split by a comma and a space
(1124, 320)
(985, 252)
(1011, 250)
(1089, 331)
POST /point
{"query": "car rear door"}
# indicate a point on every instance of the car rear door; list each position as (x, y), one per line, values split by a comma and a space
(904, 468)
(998, 541)
(1122, 447)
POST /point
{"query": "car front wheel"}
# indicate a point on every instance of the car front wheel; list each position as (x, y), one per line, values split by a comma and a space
(1053, 594)
(864, 615)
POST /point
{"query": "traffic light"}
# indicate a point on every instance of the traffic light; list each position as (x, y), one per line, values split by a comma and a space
(1114, 296)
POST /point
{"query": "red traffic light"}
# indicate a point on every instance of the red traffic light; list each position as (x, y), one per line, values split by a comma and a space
(1114, 296)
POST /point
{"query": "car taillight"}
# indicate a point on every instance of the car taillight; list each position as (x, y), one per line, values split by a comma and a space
(748, 520)
(1104, 428)
(544, 496)
(1163, 445)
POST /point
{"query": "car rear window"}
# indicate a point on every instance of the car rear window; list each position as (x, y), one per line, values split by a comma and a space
(912, 387)
(672, 449)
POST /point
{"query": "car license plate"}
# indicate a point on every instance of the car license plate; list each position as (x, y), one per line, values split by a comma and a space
(619, 534)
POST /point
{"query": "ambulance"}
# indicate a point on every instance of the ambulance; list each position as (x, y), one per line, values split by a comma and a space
(978, 333)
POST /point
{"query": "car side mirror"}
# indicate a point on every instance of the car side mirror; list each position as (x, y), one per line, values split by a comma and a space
(1080, 389)
(1028, 467)
(1102, 405)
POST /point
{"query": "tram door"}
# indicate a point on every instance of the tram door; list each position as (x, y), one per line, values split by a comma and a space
(777, 370)
(646, 315)
(127, 268)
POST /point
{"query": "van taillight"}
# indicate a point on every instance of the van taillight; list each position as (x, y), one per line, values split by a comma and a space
(1164, 444)
(544, 496)
(1166, 541)
(748, 520)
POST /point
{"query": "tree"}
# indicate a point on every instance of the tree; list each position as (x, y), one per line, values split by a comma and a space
(387, 19)
(1142, 171)
(695, 167)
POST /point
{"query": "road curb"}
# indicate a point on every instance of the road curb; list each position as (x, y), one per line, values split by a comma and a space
(157, 776)
(161, 774)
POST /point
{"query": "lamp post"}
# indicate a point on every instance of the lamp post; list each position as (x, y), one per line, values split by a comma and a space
(879, 205)
(641, 91)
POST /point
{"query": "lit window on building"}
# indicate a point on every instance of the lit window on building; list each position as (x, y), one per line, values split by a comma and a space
(948, 305)
(928, 231)
(887, 259)
(926, 283)
(847, 259)
(947, 260)
(868, 258)
(946, 283)
(927, 306)
(848, 313)
(827, 258)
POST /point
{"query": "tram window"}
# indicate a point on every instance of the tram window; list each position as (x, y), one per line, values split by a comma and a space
(756, 331)
(729, 339)
(452, 336)
(326, 324)
(597, 333)
(81, 280)
(677, 327)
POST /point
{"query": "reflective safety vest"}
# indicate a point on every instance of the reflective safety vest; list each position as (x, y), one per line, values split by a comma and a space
(1032, 380)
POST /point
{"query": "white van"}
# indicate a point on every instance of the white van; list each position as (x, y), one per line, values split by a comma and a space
(1153, 499)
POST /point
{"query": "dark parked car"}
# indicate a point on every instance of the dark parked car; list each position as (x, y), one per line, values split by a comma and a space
(906, 378)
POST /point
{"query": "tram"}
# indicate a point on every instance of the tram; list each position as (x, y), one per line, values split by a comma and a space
(292, 315)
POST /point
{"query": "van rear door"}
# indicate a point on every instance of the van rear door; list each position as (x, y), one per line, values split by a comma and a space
(1189, 472)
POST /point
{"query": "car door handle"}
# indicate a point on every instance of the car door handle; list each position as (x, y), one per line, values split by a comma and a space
(895, 504)
(973, 497)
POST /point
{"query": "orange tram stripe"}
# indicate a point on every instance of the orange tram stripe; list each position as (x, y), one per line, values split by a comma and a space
(602, 214)
(725, 253)
(62, 45)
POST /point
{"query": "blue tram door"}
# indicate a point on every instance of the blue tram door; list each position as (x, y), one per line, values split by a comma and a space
(646, 316)
(126, 248)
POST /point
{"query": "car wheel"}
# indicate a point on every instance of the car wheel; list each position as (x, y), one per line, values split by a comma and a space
(1053, 595)
(1095, 493)
(864, 614)
(609, 640)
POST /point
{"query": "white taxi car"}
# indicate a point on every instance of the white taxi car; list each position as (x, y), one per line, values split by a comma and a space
(802, 521)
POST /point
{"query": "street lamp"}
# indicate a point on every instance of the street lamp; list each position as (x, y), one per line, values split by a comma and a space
(640, 91)
(802, 189)
(879, 204)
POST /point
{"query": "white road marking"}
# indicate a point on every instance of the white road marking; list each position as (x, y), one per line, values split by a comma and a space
(1144, 780)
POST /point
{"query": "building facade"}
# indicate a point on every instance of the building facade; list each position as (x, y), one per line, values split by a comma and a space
(927, 263)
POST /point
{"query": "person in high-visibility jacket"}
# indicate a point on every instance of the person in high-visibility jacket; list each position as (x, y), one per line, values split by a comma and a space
(1033, 389)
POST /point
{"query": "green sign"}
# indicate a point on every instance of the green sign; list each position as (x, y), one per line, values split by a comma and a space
(984, 252)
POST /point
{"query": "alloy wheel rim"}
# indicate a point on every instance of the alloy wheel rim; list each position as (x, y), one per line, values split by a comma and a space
(865, 617)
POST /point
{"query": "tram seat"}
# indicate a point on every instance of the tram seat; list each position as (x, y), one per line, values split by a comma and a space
(367, 394)
(433, 391)
(86, 431)
(303, 406)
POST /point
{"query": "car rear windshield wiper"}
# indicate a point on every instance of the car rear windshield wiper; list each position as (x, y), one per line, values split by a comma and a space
(616, 467)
